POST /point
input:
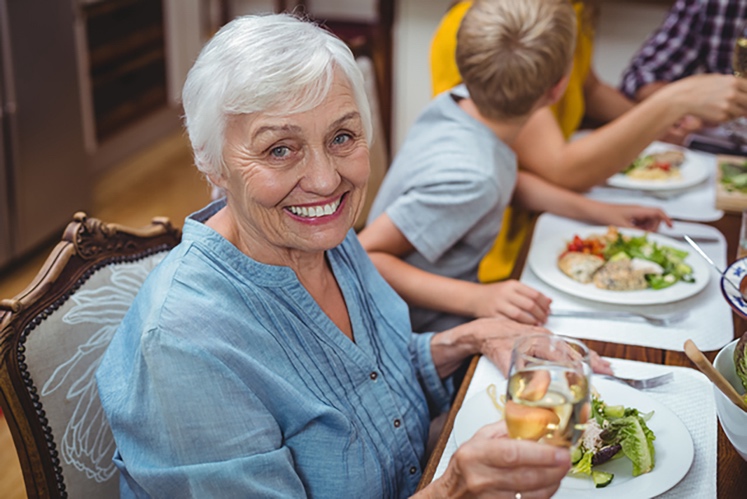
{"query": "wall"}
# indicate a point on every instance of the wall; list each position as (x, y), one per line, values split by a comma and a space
(415, 22)
(623, 27)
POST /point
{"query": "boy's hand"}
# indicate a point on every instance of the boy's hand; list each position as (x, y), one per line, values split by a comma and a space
(511, 300)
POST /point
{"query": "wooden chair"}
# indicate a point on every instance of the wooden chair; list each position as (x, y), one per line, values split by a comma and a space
(52, 336)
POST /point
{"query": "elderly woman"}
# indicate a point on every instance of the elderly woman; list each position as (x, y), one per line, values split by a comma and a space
(265, 356)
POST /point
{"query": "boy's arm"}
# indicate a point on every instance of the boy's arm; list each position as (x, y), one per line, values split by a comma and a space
(604, 103)
(536, 194)
(386, 245)
(593, 158)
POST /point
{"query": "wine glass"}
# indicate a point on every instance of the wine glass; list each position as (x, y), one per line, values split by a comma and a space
(739, 56)
(547, 396)
(737, 128)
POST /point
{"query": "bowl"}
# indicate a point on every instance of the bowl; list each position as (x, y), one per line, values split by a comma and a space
(736, 273)
(733, 419)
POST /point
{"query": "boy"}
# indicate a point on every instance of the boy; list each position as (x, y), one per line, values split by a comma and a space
(440, 206)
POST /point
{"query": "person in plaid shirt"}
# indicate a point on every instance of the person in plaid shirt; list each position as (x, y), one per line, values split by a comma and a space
(697, 36)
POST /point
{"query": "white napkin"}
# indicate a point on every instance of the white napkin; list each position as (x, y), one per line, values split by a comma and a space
(697, 203)
(689, 396)
(709, 323)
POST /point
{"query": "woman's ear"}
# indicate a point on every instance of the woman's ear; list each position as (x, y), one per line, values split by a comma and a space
(217, 179)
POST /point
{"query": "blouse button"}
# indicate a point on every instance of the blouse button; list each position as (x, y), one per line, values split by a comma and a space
(413, 470)
(374, 375)
(397, 423)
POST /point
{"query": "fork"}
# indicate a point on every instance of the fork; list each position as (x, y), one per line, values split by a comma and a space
(656, 320)
(643, 383)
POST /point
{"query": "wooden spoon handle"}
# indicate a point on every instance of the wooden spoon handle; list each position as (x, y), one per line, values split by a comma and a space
(700, 360)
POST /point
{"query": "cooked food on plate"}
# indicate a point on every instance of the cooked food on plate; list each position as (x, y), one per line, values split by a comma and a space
(611, 433)
(664, 165)
(620, 275)
(618, 262)
(580, 266)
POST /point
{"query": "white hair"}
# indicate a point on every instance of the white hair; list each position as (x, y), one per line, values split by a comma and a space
(257, 63)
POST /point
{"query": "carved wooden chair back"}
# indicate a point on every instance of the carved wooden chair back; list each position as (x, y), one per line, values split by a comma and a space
(52, 336)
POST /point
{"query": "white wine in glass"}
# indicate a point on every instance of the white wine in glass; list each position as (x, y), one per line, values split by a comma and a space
(739, 56)
(547, 398)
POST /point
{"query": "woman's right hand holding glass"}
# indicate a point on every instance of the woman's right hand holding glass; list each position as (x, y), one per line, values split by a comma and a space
(492, 465)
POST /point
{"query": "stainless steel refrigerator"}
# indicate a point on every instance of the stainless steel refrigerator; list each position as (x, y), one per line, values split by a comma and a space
(44, 173)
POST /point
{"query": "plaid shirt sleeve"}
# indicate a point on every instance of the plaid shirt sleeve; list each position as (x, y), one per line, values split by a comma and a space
(696, 36)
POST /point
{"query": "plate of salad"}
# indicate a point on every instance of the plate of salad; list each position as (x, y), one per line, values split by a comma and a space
(631, 267)
(663, 167)
(655, 439)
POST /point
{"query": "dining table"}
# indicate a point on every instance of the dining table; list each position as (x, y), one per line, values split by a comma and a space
(731, 480)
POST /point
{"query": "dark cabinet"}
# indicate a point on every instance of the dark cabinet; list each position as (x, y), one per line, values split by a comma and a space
(127, 62)
(43, 163)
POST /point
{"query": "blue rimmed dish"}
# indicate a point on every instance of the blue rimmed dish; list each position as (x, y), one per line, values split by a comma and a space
(736, 272)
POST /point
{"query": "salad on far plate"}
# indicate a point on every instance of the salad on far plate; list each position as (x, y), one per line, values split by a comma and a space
(664, 165)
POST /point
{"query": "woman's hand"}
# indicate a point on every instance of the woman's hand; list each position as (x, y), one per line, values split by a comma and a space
(511, 300)
(632, 216)
(491, 337)
(492, 465)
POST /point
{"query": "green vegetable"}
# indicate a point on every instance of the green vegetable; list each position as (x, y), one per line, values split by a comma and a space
(614, 411)
(576, 455)
(740, 360)
(636, 444)
(583, 466)
(734, 176)
(601, 478)
(671, 260)
(621, 427)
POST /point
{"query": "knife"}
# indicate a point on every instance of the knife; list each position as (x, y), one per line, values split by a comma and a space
(697, 239)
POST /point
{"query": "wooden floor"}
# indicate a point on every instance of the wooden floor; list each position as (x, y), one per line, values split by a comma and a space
(161, 181)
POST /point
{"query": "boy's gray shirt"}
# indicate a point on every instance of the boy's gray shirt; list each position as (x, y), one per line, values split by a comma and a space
(446, 192)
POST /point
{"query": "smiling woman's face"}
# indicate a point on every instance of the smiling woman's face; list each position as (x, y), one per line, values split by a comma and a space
(296, 182)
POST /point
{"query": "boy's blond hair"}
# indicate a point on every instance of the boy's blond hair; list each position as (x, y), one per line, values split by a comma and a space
(511, 52)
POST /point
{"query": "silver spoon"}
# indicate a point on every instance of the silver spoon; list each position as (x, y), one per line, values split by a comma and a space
(708, 259)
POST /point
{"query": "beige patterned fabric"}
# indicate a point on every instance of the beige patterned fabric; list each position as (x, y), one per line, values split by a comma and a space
(62, 355)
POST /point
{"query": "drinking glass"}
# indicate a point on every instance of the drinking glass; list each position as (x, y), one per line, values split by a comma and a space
(737, 129)
(547, 396)
(739, 56)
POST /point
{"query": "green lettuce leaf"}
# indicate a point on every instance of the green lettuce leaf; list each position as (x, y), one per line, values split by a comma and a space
(637, 442)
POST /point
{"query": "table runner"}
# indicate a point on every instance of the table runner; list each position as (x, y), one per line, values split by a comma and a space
(709, 324)
(689, 396)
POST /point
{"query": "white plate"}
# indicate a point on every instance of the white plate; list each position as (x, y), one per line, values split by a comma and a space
(694, 170)
(543, 260)
(673, 444)
(735, 273)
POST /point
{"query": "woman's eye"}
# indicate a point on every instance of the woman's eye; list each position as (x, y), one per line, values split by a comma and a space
(280, 151)
(341, 139)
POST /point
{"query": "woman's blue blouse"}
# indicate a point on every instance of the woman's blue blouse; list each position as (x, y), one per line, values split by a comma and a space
(226, 379)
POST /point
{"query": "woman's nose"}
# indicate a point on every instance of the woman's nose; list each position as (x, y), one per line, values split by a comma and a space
(321, 174)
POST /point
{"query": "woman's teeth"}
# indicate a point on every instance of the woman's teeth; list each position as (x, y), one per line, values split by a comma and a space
(315, 211)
